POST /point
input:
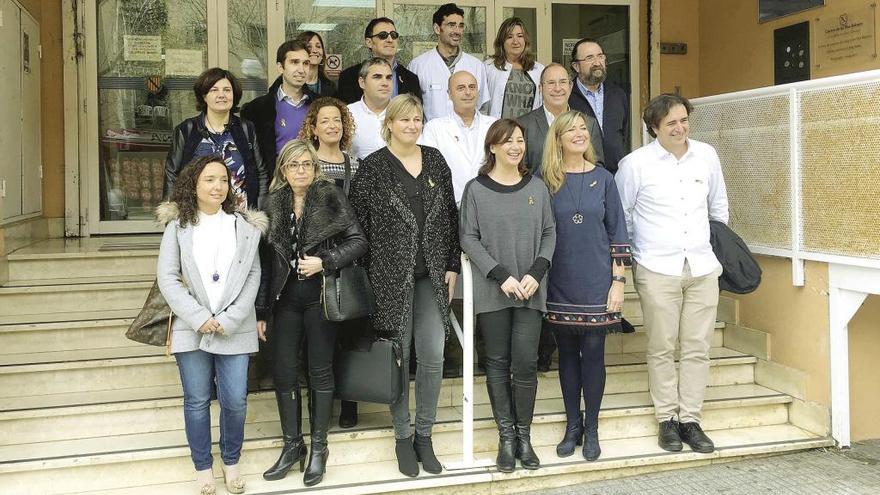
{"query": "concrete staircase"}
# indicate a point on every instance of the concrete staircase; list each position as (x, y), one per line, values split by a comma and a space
(86, 411)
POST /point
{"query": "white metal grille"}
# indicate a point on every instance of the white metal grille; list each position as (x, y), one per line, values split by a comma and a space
(840, 169)
(752, 140)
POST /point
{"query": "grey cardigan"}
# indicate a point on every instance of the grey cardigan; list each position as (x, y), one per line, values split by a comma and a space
(511, 226)
(181, 285)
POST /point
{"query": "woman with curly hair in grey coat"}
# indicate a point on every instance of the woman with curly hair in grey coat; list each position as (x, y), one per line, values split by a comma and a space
(403, 198)
(209, 273)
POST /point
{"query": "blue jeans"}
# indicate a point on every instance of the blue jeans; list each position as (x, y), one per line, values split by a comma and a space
(198, 371)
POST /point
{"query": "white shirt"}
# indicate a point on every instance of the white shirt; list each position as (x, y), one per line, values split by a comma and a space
(368, 131)
(434, 75)
(462, 146)
(213, 249)
(668, 204)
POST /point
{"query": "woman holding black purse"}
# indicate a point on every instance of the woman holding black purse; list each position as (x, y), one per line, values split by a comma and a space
(312, 228)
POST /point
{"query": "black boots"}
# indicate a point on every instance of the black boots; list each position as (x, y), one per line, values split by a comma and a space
(524, 409)
(591, 450)
(407, 463)
(322, 406)
(668, 438)
(290, 414)
(425, 454)
(574, 436)
(502, 410)
(348, 415)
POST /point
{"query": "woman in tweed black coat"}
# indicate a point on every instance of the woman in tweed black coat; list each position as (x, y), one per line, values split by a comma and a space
(403, 198)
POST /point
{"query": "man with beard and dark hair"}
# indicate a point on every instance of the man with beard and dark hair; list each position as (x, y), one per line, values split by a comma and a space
(604, 101)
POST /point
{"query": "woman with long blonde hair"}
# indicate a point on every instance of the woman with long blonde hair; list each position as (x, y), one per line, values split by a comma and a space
(586, 281)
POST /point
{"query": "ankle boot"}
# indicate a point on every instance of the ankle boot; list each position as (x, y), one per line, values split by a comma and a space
(574, 436)
(425, 454)
(348, 414)
(293, 450)
(322, 406)
(502, 411)
(524, 409)
(406, 457)
(591, 450)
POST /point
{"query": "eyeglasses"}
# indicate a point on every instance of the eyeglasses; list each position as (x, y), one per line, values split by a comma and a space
(383, 35)
(591, 58)
(294, 166)
(557, 83)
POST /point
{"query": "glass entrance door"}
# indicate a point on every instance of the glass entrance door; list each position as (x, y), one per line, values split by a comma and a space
(535, 15)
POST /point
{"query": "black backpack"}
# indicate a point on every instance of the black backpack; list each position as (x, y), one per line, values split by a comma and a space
(742, 274)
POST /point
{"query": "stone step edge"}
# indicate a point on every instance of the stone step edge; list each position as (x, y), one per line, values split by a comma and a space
(39, 289)
(142, 360)
(634, 465)
(341, 436)
(83, 282)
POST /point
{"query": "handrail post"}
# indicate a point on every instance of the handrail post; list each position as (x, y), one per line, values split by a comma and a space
(466, 337)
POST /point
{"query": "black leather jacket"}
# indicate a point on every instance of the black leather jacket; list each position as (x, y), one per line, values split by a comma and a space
(189, 133)
(329, 230)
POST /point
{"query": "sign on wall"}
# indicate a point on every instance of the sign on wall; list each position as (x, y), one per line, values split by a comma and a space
(845, 38)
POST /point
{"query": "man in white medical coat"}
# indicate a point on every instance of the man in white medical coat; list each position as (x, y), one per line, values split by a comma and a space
(460, 136)
(435, 66)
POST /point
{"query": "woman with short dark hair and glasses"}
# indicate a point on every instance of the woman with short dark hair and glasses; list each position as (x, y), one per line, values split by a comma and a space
(216, 130)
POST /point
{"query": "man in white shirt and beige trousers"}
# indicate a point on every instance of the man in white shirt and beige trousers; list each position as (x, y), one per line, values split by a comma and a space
(670, 189)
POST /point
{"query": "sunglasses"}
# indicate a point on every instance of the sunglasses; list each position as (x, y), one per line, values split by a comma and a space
(383, 35)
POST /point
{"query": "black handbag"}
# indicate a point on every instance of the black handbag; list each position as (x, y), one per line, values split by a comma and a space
(152, 325)
(371, 371)
(346, 294)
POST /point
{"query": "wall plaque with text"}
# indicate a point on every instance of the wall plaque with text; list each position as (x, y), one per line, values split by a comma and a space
(845, 38)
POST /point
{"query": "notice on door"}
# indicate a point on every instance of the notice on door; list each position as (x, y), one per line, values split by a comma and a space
(180, 62)
(138, 48)
(845, 38)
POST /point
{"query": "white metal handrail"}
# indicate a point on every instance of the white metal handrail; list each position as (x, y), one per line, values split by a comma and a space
(466, 339)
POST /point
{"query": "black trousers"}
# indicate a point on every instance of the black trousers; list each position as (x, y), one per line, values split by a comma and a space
(511, 337)
(297, 321)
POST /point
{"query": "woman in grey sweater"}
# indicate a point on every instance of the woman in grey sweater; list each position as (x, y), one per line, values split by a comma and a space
(209, 273)
(509, 233)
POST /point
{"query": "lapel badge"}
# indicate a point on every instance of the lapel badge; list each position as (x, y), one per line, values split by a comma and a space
(456, 138)
(593, 184)
(431, 182)
(531, 200)
(283, 123)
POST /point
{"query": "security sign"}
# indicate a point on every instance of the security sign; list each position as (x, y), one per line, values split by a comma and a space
(334, 61)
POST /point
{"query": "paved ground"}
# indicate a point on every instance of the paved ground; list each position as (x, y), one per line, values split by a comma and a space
(825, 472)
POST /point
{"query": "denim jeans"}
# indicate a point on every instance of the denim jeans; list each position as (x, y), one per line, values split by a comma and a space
(425, 328)
(198, 371)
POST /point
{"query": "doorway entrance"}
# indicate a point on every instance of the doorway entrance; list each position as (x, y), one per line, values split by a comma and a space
(142, 57)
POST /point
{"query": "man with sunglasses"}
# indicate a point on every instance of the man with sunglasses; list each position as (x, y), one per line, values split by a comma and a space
(606, 102)
(380, 39)
(435, 66)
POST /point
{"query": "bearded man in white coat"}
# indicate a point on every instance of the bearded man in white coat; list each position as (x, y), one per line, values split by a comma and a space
(435, 66)
(460, 135)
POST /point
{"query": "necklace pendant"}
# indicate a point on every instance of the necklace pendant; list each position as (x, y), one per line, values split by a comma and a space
(577, 218)
(215, 277)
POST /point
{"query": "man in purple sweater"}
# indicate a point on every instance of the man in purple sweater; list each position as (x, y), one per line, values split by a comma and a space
(278, 115)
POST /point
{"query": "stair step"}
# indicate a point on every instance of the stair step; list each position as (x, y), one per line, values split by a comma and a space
(70, 316)
(45, 338)
(83, 258)
(35, 385)
(33, 302)
(169, 469)
(63, 341)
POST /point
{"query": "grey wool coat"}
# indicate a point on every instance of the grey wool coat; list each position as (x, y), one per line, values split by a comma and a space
(181, 285)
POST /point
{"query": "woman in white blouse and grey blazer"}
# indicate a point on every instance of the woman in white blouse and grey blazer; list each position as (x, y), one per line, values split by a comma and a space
(209, 273)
